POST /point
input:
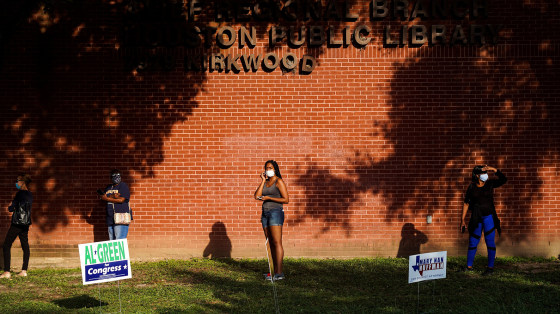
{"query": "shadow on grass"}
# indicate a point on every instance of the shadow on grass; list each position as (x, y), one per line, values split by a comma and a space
(80, 302)
(311, 286)
(370, 285)
(238, 285)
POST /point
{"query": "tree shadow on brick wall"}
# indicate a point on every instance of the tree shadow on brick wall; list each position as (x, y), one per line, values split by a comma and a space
(72, 109)
(493, 105)
(81, 95)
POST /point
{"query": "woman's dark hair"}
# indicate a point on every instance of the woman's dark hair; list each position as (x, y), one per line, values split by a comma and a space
(476, 171)
(25, 177)
(276, 169)
(115, 171)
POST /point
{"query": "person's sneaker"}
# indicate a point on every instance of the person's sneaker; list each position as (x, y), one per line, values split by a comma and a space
(466, 269)
(489, 271)
(279, 276)
(6, 275)
(267, 276)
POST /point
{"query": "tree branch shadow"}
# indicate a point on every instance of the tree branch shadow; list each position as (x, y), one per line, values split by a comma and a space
(493, 105)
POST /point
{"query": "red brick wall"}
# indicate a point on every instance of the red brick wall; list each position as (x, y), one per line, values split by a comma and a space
(372, 140)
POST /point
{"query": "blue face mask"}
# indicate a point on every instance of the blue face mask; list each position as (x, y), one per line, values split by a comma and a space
(18, 186)
(484, 177)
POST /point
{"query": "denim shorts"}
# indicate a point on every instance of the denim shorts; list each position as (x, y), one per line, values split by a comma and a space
(273, 217)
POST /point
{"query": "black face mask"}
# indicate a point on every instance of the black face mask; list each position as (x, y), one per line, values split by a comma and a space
(116, 178)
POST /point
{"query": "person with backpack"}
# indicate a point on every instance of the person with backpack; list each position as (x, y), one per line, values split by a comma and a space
(21, 220)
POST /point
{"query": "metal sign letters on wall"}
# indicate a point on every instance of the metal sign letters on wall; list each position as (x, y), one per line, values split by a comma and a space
(155, 33)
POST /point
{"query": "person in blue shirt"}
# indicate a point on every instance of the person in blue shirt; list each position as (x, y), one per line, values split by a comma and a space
(21, 220)
(117, 196)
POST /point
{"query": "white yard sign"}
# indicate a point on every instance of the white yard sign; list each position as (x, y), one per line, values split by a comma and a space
(428, 266)
(105, 261)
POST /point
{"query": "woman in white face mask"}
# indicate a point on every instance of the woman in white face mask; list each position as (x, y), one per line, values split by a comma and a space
(273, 193)
(479, 199)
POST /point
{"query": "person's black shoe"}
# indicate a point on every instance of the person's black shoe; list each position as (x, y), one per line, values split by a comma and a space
(489, 271)
(466, 270)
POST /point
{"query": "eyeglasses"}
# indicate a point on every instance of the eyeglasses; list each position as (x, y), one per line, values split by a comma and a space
(18, 180)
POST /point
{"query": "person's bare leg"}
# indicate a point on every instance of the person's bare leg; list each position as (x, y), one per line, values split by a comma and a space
(268, 236)
(276, 247)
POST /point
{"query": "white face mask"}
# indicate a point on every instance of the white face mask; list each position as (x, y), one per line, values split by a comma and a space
(483, 177)
(270, 173)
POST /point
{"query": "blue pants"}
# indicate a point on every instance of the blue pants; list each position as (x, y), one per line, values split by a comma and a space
(118, 232)
(489, 236)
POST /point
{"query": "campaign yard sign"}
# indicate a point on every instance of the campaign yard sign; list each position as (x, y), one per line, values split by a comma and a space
(104, 261)
(427, 266)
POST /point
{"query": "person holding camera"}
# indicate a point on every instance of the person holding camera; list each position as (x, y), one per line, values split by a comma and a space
(117, 196)
(479, 199)
(21, 220)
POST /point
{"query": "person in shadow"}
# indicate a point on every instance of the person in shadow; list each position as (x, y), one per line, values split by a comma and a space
(21, 220)
(220, 244)
(117, 196)
(411, 240)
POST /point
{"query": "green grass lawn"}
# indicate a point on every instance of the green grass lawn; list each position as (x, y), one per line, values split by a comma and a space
(374, 285)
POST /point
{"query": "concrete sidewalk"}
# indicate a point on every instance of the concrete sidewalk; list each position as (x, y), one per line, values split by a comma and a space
(69, 257)
(36, 262)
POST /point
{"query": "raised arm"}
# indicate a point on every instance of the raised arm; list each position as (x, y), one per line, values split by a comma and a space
(258, 192)
(501, 177)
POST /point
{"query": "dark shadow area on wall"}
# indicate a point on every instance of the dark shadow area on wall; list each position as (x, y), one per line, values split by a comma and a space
(327, 198)
(492, 105)
(79, 114)
(411, 240)
(70, 111)
(97, 218)
(220, 244)
(78, 97)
